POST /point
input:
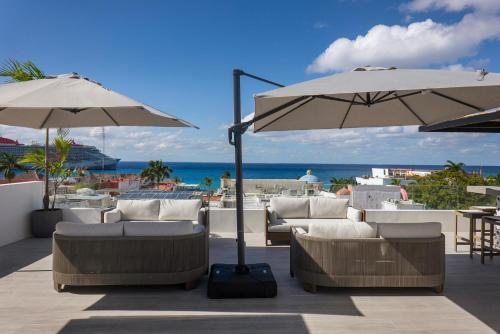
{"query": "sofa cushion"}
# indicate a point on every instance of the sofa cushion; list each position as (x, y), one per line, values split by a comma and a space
(89, 230)
(139, 209)
(179, 209)
(409, 230)
(284, 224)
(343, 230)
(112, 216)
(288, 207)
(194, 222)
(155, 228)
(327, 207)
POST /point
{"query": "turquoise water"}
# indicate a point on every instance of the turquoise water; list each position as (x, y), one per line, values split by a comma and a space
(194, 172)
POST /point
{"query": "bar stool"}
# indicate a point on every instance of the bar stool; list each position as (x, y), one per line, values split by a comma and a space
(473, 215)
(487, 240)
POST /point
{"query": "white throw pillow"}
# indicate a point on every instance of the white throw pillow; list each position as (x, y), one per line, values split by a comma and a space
(343, 230)
(145, 229)
(138, 209)
(326, 207)
(179, 209)
(288, 207)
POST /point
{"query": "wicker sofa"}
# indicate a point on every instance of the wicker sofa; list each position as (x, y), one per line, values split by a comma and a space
(372, 255)
(133, 248)
(286, 212)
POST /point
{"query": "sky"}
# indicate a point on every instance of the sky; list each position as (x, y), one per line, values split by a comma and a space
(178, 56)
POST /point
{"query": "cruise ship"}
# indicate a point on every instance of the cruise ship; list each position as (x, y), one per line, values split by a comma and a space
(80, 156)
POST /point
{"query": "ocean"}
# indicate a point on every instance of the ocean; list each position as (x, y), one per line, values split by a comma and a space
(194, 172)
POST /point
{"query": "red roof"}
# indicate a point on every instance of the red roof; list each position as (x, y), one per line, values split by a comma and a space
(8, 141)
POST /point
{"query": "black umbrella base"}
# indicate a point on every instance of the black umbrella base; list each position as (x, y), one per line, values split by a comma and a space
(252, 281)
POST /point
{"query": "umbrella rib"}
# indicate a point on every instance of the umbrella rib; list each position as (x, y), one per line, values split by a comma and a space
(326, 97)
(381, 100)
(410, 109)
(278, 108)
(347, 112)
(110, 117)
(46, 118)
(309, 99)
(382, 97)
(456, 100)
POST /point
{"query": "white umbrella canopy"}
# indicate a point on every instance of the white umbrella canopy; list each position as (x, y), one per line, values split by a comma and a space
(376, 97)
(73, 101)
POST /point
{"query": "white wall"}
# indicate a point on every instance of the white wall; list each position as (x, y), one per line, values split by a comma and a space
(17, 200)
(82, 215)
(224, 220)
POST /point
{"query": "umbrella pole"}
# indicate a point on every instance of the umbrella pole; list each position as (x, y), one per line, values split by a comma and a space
(240, 226)
(241, 280)
(46, 176)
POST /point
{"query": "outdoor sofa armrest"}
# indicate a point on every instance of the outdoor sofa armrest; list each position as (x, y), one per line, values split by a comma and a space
(355, 215)
(112, 216)
(271, 215)
(203, 217)
(300, 230)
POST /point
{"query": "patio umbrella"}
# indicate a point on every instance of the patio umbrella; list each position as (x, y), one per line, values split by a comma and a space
(364, 97)
(73, 101)
(376, 97)
(485, 122)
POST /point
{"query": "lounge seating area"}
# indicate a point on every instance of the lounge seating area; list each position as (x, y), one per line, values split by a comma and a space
(129, 268)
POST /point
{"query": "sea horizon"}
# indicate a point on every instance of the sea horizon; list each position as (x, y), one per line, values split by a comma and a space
(194, 172)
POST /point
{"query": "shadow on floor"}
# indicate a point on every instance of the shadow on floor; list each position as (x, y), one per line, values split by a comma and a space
(189, 324)
(21, 254)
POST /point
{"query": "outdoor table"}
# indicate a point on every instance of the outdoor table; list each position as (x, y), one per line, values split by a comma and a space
(473, 215)
(487, 240)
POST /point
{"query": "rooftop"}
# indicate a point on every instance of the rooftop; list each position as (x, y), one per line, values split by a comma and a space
(470, 302)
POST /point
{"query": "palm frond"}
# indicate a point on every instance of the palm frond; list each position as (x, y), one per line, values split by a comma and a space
(19, 71)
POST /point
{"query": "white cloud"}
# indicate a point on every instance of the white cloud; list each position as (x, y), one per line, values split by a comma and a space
(452, 5)
(417, 44)
(320, 25)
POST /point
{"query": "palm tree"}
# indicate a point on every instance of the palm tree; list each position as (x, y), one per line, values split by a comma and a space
(56, 170)
(176, 180)
(21, 71)
(156, 172)
(338, 183)
(226, 174)
(396, 182)
(8, 165)
(457, 167)
(207, 181)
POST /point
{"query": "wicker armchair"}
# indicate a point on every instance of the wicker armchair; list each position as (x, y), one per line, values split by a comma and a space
(371, 262)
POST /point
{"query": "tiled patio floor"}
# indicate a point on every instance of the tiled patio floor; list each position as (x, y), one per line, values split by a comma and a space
(470, 303)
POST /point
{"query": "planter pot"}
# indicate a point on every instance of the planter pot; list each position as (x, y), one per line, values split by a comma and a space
(43, 222)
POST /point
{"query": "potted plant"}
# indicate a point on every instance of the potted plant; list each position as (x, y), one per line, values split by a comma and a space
(43, 221)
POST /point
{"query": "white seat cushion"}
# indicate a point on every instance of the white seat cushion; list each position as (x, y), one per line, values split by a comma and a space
(288, 207)
(139, 209)
(155, 228)
(89, 230)
(284, 224)
(343, 230)
(179, 209)
(409, 230)
(327, 207)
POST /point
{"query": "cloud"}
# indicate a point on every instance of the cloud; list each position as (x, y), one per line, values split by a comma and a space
(320, 25)
(452, 5)
(417, 44)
